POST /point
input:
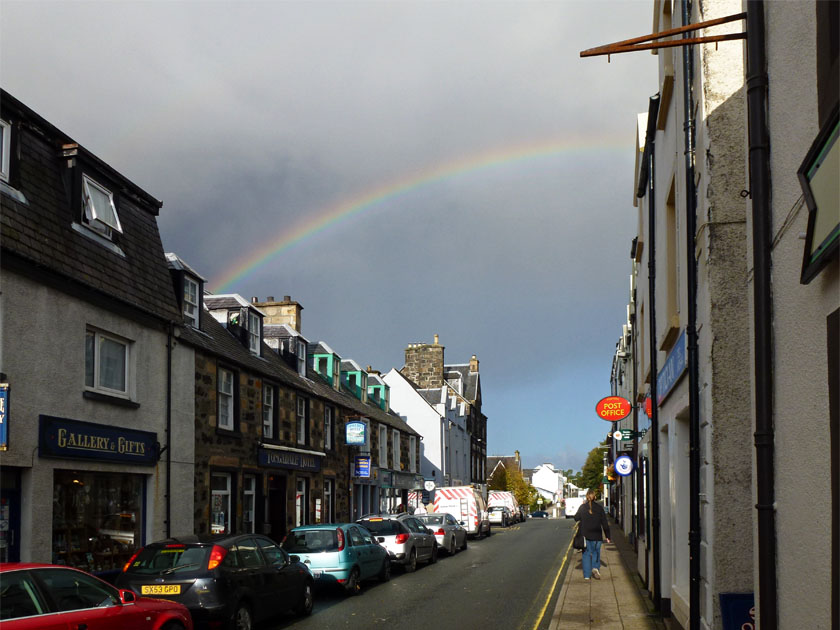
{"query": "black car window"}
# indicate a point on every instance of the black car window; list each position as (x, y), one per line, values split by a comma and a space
(273, 554)
(450, 520)
(414, 525)
(383, 527)
(176, 558)
(249, 554)
(433, 520)
(232, 560)
(19, 596)
(355, 537)
(311, 541)
(367, 538)
(73, 590)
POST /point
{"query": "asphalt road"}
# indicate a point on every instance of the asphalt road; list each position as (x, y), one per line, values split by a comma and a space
(510, 580)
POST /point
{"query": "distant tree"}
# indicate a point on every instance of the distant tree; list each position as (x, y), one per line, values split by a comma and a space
(499, 479)
(524, 492)
(592, 473)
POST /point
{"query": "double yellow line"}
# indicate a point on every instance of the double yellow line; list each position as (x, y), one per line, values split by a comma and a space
(553, 587)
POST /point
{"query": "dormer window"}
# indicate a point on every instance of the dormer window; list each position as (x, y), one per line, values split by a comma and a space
(100, 212)
(191, 305)
(5, 150)
(301, 357)
(253, 332)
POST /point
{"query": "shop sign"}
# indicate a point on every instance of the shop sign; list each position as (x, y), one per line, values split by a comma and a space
(386, 478)
(624, 465)
(648, 407)
(613, 408)
(74, 439)
(356, 433)
(404, 480)
(361, 466)
(292, 460)
(673, 369)
(4, 416)
(737, 611)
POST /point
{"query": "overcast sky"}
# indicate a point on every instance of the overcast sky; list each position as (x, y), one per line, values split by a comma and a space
(472, 175)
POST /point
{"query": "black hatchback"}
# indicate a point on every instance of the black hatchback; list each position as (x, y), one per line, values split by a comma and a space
(226, 581)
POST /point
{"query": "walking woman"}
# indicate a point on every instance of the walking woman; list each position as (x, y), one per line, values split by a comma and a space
(592, 520)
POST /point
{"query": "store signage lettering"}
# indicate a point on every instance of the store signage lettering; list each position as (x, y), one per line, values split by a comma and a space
(4, 416)
(74, 439)
(361, 466)
(673, 369)
(290, 459)
(613, 408)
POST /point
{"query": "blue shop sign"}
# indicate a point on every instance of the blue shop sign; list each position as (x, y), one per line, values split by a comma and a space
(673, 369)
(292, 460)
(74, 439)
(4, 416)
(737, 611)
(361, 466)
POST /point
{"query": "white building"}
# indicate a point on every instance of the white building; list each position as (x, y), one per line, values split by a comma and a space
(550, 484)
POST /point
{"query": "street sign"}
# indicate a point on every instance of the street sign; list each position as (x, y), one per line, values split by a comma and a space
(627, 434)
(429, 485)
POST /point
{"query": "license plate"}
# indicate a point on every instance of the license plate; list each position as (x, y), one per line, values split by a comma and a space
(160, 589)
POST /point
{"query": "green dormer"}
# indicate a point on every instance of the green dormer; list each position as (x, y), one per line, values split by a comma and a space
(327, 364)
(380, 393)
(354, 379)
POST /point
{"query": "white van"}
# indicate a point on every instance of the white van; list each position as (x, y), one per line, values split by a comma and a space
(574, 503)
(467, 505)
(506, 499)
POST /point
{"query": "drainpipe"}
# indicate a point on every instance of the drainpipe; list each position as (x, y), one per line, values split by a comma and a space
(648, 178)
(169, 341)
(691, 330)
(759, 146)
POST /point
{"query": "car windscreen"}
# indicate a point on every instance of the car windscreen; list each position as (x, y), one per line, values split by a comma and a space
(432, 520)
(311, 541)
(383, 527)
(170, 560)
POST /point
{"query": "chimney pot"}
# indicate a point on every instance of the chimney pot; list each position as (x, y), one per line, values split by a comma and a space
(270, 298)
(436, 339)
(254, 300)
(287, 298)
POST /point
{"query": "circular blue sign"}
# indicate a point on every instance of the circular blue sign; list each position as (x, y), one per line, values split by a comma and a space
(624, 465)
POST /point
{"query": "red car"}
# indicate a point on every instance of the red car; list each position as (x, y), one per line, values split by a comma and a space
(51, 597)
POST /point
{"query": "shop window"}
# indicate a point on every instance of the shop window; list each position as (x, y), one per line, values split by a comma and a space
(106, 364)
(97, 519)
(220, 509)
(249, 502)
(301, 502)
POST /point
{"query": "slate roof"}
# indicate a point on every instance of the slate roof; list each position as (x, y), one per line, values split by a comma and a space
(472, 388)
(38, 235)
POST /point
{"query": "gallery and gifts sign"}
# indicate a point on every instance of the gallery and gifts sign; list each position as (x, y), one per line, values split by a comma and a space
(290, 459)
(74, 439)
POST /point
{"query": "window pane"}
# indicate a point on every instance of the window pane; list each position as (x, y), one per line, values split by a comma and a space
(101, 205)
(75, 591)
(112, 364)
(90, 349)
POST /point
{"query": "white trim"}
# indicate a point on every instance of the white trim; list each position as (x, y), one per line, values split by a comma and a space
(277, 447)
(5, 151)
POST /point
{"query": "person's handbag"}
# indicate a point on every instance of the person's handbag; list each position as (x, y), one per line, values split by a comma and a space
(579, 542)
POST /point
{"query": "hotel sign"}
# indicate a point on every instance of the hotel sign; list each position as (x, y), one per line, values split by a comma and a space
(74, 439)
(356, 433)
(292, 460)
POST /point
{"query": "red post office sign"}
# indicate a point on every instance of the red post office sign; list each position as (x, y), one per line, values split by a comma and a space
(613, 408)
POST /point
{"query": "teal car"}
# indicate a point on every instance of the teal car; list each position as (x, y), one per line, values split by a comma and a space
(343, 554)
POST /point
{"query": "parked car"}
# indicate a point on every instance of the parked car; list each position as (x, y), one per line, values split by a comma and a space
(449, 533)
(50, 597)
(539, 514)
(342, 554)
(500, 515)
(235, 579)
(407, 540)
(467, 505)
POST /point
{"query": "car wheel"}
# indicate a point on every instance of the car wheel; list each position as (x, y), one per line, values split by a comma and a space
(464, 546)
(354, 583)
(307, 601)
(385, 573)
(452, 546)
(433, 557)
(489, 531)
(411, 565)
(173, 625)
(242, 618)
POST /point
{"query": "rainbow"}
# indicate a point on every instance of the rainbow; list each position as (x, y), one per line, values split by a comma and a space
(342, 211)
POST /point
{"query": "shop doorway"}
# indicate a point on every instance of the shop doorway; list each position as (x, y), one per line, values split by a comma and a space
(276, 507)
(10, 515)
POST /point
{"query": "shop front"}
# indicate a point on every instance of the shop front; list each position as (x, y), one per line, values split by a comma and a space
(99, 494)
(296, 492)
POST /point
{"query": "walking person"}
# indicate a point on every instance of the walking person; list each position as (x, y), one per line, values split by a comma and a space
(592, 519)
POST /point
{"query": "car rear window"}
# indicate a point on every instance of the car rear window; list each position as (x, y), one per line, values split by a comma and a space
(172, 559)
(432, 520)
(383, 527)
(311, 541)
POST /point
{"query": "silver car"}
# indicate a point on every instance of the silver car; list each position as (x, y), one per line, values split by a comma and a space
(500, 515)
(407, 540)
(449, 533)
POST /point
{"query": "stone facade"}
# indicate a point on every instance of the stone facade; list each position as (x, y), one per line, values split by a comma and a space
(424, 364)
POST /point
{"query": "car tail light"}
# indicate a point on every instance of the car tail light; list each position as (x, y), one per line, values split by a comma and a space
(440, 532)
(131, 559)
(340, 535)
(217, 554)
(401, 539)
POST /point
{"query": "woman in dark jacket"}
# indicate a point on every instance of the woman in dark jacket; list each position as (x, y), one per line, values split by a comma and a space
(592, 520)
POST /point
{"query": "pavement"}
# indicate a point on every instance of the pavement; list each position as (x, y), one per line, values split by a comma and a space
(617, 601)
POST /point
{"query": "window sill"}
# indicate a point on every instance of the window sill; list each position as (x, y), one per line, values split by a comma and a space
(229, 433)
(12, 192)
(112, 400)
(97, 238)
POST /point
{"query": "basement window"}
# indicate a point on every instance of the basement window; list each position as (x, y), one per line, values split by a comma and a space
(100, 212)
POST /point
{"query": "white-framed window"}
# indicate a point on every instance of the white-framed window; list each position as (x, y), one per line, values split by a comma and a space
(5, 149)
(220, 503)
(249, 502)
(301, 357)
(100, 212)
(106, 364)
(268, 411)
(191, 301)
(412, 453)
(395, 438)
(225, 395)
(336, 383)
(254, 332)
(302, 404)
(383, 447)
(328, 428)
(301, 502)
(327, 515)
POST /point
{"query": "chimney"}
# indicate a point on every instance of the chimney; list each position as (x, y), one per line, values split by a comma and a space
(424, 364)
(473, 365)
(285, 312)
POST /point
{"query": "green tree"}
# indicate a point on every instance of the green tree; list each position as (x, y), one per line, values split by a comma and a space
(592, 472)
(499, 479)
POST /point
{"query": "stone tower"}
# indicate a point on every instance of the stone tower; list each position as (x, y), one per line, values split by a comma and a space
(424, 364)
